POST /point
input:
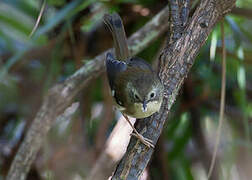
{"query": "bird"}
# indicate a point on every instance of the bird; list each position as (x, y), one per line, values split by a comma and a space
(136, 88)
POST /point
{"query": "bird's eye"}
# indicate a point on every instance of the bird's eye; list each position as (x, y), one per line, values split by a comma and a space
(152, 95)
(137, 97)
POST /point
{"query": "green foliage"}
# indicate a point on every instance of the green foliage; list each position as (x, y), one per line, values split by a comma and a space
(56, 2)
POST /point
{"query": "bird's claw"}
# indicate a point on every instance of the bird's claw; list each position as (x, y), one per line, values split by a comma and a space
(145, 141)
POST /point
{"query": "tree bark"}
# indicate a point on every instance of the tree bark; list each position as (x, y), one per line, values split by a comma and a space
(174, 64)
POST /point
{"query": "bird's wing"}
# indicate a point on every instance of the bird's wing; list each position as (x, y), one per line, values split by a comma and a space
(114, 67)
(136, 62)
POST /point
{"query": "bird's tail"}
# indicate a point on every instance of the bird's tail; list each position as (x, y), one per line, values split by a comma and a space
(115, 25)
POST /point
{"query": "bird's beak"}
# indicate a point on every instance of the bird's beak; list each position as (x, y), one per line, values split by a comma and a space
(144, 106)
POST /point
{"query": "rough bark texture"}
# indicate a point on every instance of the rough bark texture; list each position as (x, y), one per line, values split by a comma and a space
(183, 51)
(61, 95)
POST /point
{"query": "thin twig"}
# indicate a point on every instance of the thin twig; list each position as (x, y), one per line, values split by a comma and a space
(222, 103)
(38, 19)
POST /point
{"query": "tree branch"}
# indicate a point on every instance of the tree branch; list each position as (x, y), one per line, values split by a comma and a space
(245, 12)
(61, 95)
(184, 51)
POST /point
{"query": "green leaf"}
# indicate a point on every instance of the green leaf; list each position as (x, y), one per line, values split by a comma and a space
(241, 72)
(14, 23)
(56, 2)
(240, 53)
(213, 45)
(241, 77)
(84, 5)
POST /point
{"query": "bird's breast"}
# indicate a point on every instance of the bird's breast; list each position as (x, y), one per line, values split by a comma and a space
(136, 110)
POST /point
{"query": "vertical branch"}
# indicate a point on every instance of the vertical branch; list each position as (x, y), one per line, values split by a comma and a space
(185, 9)
(179, 17)
(222, 103)
(176, 23)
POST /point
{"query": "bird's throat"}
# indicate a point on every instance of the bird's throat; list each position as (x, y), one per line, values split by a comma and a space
(140, 112)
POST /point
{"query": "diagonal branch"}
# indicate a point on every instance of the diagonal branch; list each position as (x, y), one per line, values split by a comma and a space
(184, 51)
(61, 95)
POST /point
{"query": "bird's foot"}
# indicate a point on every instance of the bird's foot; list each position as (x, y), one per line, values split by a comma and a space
(144, 140)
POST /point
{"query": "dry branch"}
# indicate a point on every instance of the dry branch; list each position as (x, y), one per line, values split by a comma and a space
(61, 95)
(183, 51)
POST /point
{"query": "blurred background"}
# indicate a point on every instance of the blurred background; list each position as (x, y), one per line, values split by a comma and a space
(70, 34)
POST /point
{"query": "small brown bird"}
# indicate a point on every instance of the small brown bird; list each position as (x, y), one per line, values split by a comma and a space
(136, 88)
